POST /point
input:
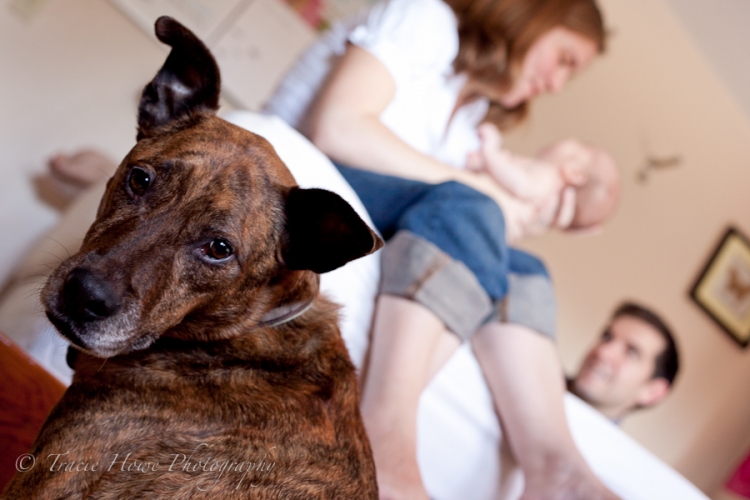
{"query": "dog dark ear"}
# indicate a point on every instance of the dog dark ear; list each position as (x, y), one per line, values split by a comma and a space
(188, 82)
(323, 232)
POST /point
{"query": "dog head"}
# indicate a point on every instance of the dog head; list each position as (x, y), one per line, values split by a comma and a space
(202, 232)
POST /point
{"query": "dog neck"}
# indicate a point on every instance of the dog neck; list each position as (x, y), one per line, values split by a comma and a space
(290, 310)
(284, 314)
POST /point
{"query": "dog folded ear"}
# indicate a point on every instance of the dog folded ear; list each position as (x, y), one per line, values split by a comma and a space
(323, 232)
(188, 82)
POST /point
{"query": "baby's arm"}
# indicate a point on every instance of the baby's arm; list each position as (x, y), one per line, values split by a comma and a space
(514, 173)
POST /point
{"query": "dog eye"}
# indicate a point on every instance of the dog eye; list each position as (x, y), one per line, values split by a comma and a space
(138, 181)
(218, 249)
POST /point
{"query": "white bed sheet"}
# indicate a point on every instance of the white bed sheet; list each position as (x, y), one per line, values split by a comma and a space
(460, 435)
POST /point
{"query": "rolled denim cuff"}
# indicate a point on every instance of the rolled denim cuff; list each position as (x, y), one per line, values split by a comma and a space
(530, 302)
(416, 269)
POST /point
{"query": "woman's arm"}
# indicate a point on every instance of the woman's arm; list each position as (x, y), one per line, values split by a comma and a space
(345, 124)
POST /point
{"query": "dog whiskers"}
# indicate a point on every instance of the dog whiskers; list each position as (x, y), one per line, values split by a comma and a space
(63, 246)
(48, 252)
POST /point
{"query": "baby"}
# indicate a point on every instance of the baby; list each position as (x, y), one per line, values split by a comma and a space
(569, 185)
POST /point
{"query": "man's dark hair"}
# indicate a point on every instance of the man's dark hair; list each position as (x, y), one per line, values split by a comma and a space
(667, 363)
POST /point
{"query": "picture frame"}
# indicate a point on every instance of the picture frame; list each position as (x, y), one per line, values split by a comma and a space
(722, 289)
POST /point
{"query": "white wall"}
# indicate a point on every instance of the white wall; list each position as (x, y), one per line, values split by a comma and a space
(720, 29)
(654, 93)
(70, 77)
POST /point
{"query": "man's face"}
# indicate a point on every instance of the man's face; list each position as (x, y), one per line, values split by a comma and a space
(617, 374)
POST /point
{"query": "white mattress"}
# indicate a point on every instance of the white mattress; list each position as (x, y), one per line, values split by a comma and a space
(460, 447)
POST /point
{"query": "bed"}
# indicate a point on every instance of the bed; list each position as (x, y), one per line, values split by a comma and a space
(461, 451)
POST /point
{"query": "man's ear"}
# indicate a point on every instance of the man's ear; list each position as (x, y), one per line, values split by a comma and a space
(188, 82)
(652, 392)
(323, 232)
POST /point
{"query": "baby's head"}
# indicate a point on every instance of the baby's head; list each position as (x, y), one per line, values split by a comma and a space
(593, 174)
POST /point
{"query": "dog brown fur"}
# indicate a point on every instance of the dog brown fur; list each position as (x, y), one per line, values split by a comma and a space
(179, 373)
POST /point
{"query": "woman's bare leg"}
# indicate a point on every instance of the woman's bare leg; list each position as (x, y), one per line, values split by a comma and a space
(406, 336)
(525, 377)
(446, 346)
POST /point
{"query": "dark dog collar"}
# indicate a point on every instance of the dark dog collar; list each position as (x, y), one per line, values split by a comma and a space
(284, 314)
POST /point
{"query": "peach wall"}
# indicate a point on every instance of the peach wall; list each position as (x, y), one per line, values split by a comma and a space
(654, 93)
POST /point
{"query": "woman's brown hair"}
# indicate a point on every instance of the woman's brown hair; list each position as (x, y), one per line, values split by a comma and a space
(494, 36)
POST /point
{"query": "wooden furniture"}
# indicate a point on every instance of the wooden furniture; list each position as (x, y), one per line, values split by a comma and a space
(27, 394)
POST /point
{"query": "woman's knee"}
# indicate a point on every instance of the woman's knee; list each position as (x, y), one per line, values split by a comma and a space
(459, 192)
(459, 200)
(416, 269)
(467, 226)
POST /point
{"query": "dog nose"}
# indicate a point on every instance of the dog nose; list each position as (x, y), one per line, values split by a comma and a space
(87, 297)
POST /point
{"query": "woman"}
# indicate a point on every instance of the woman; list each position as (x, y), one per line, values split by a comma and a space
(396, 95)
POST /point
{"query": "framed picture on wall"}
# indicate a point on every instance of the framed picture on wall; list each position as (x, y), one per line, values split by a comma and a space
(723, 288)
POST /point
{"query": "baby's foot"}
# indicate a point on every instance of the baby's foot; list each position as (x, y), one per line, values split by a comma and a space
(70, 175)
(83, 168)
(492, 139)
(492, 142)
(54, 192)
(493, 155)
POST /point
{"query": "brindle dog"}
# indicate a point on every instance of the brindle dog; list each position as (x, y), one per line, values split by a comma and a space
(209, 366)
